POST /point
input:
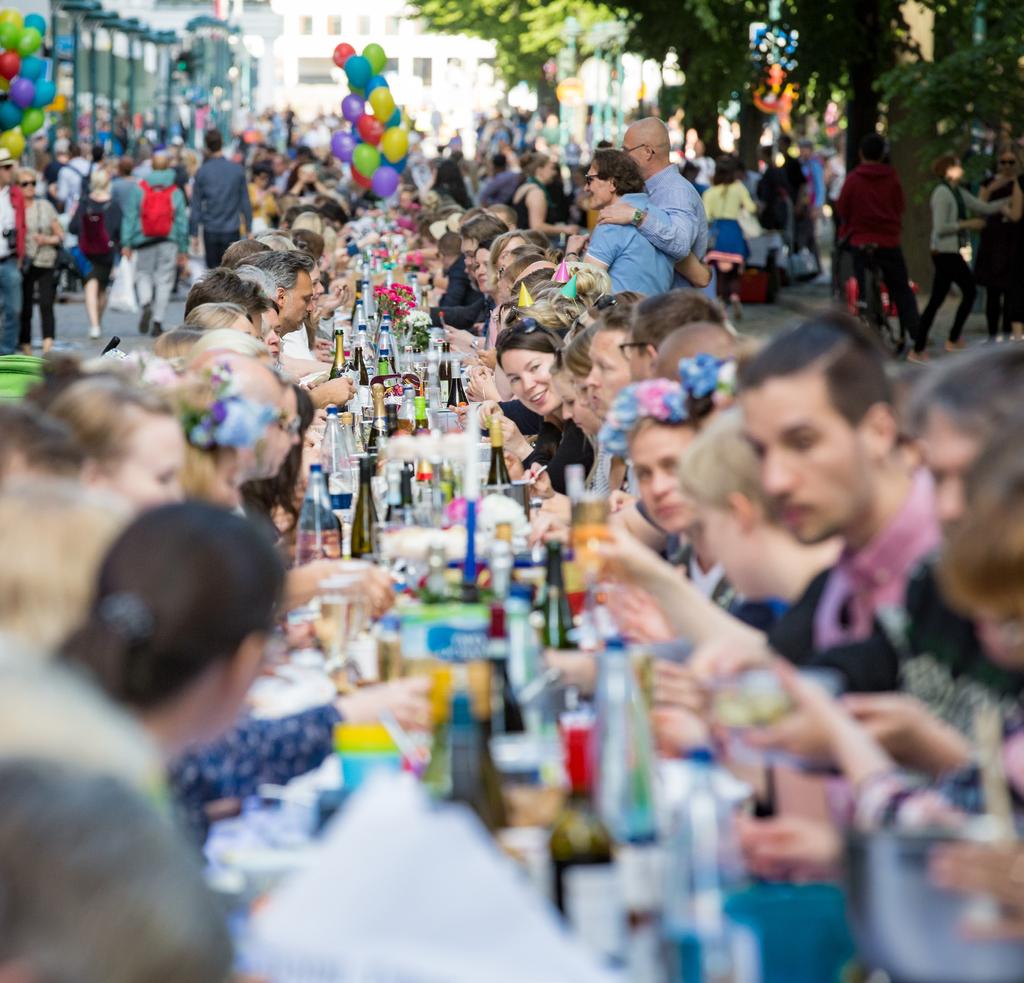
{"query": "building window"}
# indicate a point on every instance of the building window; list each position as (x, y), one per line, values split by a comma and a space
(391, 67)
(306, 25)
(334, 26)
(364, 25)
(423, 69)
(316, 71)
(392, 24)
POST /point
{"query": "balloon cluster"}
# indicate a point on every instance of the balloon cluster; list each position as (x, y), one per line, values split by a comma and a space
(24, 90)
(378, 143)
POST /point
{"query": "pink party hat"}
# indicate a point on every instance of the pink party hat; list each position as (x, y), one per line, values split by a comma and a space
(562, 274)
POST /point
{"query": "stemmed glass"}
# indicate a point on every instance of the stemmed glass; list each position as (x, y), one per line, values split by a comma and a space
(342, 617)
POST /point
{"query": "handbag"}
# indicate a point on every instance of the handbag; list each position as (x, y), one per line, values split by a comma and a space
(122, 294)
(748, 222)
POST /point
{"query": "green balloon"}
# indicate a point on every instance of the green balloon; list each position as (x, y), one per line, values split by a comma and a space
(10, 35)
(374, 54)
(32, 120)
(366, 159)
(29, 42)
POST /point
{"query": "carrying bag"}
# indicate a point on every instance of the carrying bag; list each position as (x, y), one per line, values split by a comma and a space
(122, 294)
(93, 237)
(157, 210)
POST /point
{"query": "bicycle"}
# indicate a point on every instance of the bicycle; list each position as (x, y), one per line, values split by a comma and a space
(868, 299)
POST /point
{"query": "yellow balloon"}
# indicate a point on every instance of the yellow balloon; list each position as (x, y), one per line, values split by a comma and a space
(13, 141)
(394, 145)
(383, 103)
(11, 16)
(5, 84)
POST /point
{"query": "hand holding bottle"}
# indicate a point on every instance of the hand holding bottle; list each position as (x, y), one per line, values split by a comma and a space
(338, 391)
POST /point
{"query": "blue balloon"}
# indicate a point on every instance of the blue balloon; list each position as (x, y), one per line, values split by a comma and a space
(10, 115)
(46, 91)
(38, 21)
(32, 68)
(395, 119)
(358, 70)
(377, 82)
(399, 165)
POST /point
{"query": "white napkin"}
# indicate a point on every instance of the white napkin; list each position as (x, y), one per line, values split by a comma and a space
(401, 889)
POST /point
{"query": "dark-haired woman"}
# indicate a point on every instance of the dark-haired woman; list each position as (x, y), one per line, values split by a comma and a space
(526, 354)
(185, 603)
(951, 228)
(532, 200)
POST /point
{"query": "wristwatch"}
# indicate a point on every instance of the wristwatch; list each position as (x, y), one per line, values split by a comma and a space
(638, 218)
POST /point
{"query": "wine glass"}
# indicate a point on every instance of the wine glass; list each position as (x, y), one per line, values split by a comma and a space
(342, 616)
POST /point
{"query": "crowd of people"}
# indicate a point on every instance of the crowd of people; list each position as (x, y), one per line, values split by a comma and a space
(803, 502)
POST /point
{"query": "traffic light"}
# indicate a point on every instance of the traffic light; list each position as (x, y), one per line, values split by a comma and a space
(186, 62)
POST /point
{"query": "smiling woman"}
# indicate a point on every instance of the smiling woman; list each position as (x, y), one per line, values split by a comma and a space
(526, 354)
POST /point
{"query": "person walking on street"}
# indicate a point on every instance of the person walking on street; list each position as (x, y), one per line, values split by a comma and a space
(870, 209)
(12, 250)
(994, 269)
(155, 229)
(97, 223)
(220, 202)
(43, 235)
(951, 227)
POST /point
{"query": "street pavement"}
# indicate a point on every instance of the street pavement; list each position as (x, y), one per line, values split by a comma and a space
(793, 304)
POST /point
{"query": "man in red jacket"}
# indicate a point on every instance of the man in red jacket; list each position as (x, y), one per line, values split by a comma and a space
(871, 207)
(12, 250)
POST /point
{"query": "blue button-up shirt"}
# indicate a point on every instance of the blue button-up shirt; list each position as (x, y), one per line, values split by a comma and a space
(686, 230)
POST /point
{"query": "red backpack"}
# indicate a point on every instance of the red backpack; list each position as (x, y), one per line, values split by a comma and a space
(157, 211)
(93, 237)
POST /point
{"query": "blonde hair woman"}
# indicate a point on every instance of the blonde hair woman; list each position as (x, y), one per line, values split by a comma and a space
(97, 223)
(230, 340)
(209, 317)
(132, 442)
(53, 536)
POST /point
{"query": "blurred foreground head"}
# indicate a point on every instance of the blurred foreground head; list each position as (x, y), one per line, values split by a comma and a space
(96, 886)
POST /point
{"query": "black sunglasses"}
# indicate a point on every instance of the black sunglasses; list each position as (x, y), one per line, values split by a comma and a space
(1007, 160)
(591, 177)
(27, 184)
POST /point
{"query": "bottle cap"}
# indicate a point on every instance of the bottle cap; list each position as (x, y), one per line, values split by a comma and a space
(332, 410)
(315, 469)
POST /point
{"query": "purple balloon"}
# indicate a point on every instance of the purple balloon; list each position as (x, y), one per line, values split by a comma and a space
(22, 92)
(342, 145)
(352, 107)
(385, 181)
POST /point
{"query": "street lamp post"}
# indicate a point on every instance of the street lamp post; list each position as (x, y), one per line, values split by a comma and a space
(97, 19)
(76, 11)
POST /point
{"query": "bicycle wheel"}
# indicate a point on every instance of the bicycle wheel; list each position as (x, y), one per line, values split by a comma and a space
(877, 319)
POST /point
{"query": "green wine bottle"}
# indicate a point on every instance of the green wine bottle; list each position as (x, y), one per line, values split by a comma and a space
(364, 519)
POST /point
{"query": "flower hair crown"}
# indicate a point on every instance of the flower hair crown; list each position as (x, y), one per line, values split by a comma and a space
(656, 399)
(709, 382)
(227, 418)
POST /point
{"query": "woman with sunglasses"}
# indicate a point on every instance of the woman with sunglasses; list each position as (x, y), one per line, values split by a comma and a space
(43, 236)
(994, 269)
(526, 354)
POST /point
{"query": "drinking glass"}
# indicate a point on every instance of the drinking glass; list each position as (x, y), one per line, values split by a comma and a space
(342, 616)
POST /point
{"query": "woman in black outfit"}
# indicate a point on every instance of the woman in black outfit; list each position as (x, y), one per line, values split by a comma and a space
(994, 269)
(526, 353)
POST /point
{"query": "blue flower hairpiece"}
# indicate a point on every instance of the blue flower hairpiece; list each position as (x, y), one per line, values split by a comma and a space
(705, 376)
(230, 419)
(657, 399)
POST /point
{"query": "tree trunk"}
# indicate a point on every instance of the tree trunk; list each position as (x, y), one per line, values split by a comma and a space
(862, 112)
(751, 126)
(909, 159)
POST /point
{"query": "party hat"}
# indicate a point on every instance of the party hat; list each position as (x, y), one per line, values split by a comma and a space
(525, 300)
(561, 274)
(569, 290)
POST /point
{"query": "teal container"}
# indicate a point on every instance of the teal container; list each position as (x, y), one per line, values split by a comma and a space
(356, 768)
(801, 930)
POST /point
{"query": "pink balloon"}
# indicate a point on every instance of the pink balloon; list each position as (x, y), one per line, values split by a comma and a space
(385, 181)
